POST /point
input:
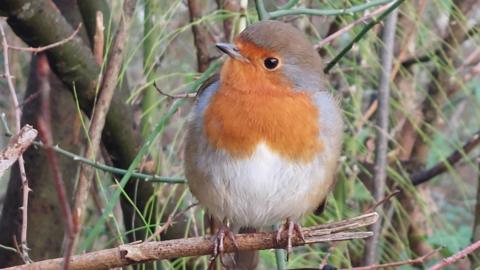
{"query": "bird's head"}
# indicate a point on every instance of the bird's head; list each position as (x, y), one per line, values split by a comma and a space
(271, 53)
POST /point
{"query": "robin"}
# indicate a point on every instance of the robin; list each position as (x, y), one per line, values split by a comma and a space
(264, 135)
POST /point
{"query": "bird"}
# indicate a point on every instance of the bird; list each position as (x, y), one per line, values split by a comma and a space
(264, 136)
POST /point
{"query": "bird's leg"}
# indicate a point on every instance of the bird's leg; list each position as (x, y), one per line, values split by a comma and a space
(291, 228)
(219, 240)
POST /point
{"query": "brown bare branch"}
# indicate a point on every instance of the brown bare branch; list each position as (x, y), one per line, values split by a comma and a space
(163, 93)
(148, 251)
(21, 162)
(45, 130)
(381, 146)
(100, 112)
(418, 261)
(455, 257)
(44, 48)
(200, 35)
(347, 28)
(441, 167)
(99, 38)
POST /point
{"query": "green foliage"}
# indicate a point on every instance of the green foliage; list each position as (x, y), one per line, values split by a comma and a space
(165, 54)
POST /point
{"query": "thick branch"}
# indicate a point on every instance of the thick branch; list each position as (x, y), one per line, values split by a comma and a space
(148, 251)
(200, 35)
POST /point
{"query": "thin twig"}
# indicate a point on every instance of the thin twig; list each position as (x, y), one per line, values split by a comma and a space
(327, 12)
(442, 166)
(347, 28)
(455, 257)
(382, 201)
(196, 246)
(381, 162)
(147, 177)
(45, 130)
(359, 36)
(263, 14)
(161, 92)
(21, 162)
(100, 112)
(50, 46)
(170, 220)
(412, 28)
(418, 261)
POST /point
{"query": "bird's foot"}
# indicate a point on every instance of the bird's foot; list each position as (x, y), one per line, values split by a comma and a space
(291, 228)
(219, 244)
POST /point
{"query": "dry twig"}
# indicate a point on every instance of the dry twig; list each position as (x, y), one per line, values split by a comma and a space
(347, 28)
(455, 257)
(163, 93)
(100, 112)
(380, 176)
(50, 46)
(170, 220)
(148, 251)
(418, 261)
(21, 162)
(45, 130)
(442, 166)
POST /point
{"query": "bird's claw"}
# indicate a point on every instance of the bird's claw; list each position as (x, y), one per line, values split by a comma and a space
(291, 228)
(219, 244)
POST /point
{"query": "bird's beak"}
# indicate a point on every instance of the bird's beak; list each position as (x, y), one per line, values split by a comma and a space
(231, 51)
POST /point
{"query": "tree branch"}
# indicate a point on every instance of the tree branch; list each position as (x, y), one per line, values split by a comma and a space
(442, 166)
(200, 36)
(148, 251)
(381, 163)
(345, 29)
(100, 113)
(455, 257)
(47, 47)
(44, 124)
(21, 163)
(327, 12)
(359, 36)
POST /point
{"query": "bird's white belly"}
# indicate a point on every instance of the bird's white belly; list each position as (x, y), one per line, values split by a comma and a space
(256, 191)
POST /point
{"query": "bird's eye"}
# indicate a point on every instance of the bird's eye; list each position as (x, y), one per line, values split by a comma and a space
(270, 63)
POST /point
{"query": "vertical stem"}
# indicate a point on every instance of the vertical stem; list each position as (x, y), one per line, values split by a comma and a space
(280, 258)
(149, 96)
(21, 162)
(380, 170)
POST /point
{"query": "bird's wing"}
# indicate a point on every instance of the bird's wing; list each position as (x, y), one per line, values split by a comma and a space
(330, 121)
(212, 79)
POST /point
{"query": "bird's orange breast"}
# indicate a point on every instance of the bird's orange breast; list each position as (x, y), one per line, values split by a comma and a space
(285, 120)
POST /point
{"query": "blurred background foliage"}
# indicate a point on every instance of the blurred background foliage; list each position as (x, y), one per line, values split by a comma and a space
(434, 111)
